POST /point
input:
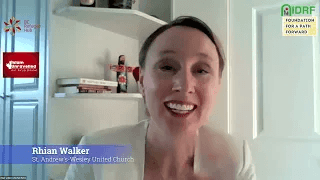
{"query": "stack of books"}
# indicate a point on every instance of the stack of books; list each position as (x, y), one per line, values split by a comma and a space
(84, 85)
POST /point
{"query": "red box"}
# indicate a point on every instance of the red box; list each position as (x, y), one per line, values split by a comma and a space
(20, 64)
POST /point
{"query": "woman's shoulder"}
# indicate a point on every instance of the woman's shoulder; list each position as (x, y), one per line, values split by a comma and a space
(117, 135)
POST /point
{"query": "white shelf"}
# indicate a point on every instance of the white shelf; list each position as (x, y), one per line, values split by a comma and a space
(124, 96)
(127, 22)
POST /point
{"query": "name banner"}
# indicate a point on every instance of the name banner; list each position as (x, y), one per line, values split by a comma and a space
(66, 154)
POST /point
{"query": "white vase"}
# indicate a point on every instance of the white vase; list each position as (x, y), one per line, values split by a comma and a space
(135, 5)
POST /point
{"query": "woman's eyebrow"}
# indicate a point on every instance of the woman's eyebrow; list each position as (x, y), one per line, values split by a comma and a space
(163, 52)
(202, 54)
(204, 63)
(205, 55)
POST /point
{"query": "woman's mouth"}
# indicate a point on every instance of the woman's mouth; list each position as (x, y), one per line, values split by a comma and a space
(180, 111)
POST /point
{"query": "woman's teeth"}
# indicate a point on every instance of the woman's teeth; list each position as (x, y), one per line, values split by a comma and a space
(180, 108)
(179, 112)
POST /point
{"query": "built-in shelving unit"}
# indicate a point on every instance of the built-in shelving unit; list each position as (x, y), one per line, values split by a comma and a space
(127, 22)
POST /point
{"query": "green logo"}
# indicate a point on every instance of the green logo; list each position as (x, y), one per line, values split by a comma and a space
(287, 10)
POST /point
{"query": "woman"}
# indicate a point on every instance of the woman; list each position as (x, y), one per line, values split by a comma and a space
(181, 69)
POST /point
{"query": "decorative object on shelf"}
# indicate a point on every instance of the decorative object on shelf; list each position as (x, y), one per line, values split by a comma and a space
(88, 3)
(121, 68)
(84, 85)
(136, 5)
(130, 69)
(136, 73)
(121, 4)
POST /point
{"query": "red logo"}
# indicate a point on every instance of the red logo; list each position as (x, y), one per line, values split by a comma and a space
(21, 64)
(12, 26)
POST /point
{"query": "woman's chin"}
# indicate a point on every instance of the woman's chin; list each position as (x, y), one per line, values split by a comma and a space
(189, 124)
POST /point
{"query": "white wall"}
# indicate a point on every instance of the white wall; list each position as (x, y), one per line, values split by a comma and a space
(214, 14)
(159, 8)
(316, 75)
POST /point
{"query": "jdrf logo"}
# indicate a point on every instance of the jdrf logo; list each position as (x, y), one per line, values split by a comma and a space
(287, 10)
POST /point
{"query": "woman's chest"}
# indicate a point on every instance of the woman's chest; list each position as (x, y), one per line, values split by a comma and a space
(153, 172)
(151, 176)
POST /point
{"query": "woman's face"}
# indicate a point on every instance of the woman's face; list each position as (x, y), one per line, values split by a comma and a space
(182, 67)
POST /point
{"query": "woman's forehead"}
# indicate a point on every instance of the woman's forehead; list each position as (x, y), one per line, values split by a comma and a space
(182, 40)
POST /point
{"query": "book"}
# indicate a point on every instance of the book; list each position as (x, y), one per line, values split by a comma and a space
(78, 81)
(75, 89)
(86, 86)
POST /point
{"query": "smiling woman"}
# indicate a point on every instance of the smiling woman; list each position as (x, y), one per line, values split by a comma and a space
(180, 76)
(174, 71)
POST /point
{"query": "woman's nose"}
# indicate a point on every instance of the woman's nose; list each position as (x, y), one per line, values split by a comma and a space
(184, 82)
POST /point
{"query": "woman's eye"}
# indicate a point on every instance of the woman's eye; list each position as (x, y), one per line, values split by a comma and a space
(166, 68)
(201, 71)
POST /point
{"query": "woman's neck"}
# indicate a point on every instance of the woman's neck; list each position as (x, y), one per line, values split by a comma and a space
(170, 153)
